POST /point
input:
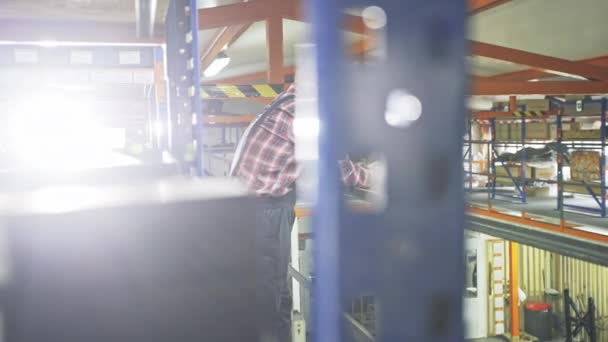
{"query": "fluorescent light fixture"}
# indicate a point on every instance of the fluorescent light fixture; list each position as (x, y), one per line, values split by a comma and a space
(218, 64)
(479, 103)
(563, 74)
(49, 43)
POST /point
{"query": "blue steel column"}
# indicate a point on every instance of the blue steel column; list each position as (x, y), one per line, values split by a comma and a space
(394, 253)
(492, 154)
(560, 166)
(184, 84)
(171, 53)
(162, 118)
(195, 93)
(470, 132)
(523, 160)
(603, 160)
(490, 166)
(326, 219)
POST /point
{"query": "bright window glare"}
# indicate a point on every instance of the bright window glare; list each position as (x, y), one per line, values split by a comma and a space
(54, 133)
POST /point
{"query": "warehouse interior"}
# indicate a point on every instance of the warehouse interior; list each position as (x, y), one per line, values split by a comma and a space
(123, 121)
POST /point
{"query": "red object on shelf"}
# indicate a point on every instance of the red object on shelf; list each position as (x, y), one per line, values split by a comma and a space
(538, 306)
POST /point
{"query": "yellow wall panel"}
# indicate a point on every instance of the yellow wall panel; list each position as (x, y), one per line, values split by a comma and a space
(541, 269)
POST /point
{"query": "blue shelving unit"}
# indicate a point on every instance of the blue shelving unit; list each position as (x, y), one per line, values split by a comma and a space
(410, 254)
(589, 145)
(518, 181)
(183, 69)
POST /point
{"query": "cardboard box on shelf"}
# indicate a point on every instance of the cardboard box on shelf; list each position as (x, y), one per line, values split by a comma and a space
(503, 131)
(543, 172)
(516, 131)
(574, 131)
(581, 189)
(529, 104)
(531, 172)
(538, 191)
(537, 130)
(576, 97)
(514, 169)
(583, 109)
(536, 104)
(585, 165)
(553, 131)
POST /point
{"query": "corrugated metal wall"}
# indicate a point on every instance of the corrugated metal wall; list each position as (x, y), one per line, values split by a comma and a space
(541, 269)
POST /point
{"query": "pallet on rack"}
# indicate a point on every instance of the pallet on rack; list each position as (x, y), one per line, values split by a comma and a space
(587, 157)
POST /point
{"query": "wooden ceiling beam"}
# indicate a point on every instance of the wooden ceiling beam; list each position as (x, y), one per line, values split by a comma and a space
(538, 61)
(478, 6)
(258, 10)
(274, 46)
(241, 13)
(225, 37)
(530, 74)
(351, 23)
(363, 45)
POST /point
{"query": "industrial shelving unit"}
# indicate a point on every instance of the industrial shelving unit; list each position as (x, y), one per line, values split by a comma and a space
(595, 191)
(183, 70)
(493, 143)
(231, 128)
(563, 146)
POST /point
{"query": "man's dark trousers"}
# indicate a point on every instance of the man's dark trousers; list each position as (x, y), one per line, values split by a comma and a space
(275, 218)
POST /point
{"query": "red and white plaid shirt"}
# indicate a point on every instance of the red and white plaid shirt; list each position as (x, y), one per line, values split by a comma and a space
(268, 165)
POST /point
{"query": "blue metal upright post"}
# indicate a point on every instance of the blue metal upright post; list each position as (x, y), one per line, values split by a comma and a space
(603, 160)
(195, 92)
(162, 125)
(491, 153)
(184, 83)
(524, 199)
(326, 219)
(560, 165)
(470, 133)
(393, 253)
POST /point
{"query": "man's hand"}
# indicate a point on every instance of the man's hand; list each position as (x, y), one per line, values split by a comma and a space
(377, 172)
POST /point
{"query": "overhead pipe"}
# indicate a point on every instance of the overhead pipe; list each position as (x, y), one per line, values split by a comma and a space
(145, 15)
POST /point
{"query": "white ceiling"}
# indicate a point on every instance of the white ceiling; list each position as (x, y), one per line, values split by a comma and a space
(249, 55)
(570, 29)
(567, 29)
(111, 11)
(563, 28)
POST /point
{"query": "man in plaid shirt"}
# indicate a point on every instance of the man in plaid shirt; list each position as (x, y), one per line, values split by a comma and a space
(265, 162)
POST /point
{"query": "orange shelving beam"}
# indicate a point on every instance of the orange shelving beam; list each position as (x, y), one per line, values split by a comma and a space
(228, 119)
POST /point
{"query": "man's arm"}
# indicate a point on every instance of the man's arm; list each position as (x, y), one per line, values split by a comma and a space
(355, 174)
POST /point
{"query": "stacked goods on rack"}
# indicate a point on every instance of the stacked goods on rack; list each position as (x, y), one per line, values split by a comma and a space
(539, 173)
(503, 131)
(576, 105)
(584, 167)
(538, 155)
(535, 187)
(529, 105)
(477, 179)
(539, 166)
(506, 131)
(578, 131)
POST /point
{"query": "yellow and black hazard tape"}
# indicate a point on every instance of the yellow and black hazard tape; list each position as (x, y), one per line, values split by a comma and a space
(529, 114)
(230, 91)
